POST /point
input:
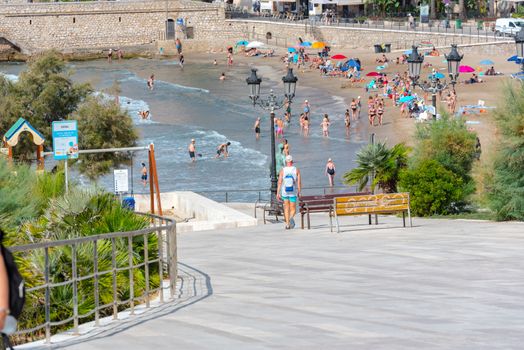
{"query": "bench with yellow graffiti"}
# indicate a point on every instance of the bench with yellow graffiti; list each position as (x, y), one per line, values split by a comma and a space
(384, 203)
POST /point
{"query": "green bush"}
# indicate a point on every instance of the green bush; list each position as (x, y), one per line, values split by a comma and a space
(433, 189)
(505, 184)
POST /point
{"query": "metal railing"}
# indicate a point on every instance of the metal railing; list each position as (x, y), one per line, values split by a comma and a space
(264, 194)
(163, 261)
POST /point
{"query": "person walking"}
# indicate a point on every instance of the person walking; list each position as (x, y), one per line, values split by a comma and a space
(143, 173)
(330, 172)
(257, 128)
(178, 45)
(192, 149)
(354, 108)
(4, 292)
(347, 122)
(289, 187)
(325, 126)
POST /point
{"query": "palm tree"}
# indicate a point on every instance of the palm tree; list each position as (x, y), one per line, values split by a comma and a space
(378, 165)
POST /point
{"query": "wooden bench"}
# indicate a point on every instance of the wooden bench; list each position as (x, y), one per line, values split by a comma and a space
(319, 204)
(385, 203)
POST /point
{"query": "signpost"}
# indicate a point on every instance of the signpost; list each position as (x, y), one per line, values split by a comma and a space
(65, 143)
(121, 180)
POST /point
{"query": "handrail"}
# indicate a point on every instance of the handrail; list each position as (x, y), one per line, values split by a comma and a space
(163, 263)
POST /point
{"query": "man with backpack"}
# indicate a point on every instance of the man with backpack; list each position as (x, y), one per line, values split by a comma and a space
(12, 294)
(4, 292)
(289, 186)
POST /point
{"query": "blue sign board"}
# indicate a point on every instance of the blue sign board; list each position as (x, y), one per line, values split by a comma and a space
(180, 21)
(65, 139)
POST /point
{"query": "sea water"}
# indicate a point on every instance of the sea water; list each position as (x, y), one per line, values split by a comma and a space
(192, 103)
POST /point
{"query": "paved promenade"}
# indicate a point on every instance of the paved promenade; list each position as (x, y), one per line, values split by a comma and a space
(439, 285)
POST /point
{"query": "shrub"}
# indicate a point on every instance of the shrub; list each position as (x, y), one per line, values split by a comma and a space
(385, 163)
(505, 183)
(433, 188)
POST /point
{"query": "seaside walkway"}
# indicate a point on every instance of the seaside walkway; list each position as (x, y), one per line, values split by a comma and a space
(439, 285)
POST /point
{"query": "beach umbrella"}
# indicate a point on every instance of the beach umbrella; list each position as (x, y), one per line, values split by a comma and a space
(373, 74)
(291, 49)
(305, 44)
(318, 45)
(513, 58)
(466, 69)
(407, 52)
(406, 99)
(242, 43)
(338, 57)
(255, 45)
(487, 62)
(353, 63)
(437, 75)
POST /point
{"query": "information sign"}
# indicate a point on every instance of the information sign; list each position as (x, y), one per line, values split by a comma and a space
(121, 180)
(65, 139)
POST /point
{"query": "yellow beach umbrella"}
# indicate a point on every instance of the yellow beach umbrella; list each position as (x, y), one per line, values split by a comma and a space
(318, 45)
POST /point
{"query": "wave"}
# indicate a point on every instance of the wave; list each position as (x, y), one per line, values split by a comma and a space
(10, 77)
(132, 106)
(161, 83)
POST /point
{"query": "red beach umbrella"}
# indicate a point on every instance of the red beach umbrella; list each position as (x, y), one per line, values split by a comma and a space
(338, 57)
(373, 74)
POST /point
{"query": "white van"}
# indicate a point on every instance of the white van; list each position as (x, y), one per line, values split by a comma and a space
(508, 26)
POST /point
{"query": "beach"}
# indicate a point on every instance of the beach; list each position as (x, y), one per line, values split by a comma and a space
(194, 103)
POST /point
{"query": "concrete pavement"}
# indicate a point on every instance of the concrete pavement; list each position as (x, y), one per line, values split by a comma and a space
(440, 285)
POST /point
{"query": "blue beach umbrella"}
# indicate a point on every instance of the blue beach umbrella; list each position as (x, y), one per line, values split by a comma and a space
(242, 43)
(306, 44)
(406, 99)
(513, 58)
(407, 52)
(291, 49)
(437, 75)
(487, 62)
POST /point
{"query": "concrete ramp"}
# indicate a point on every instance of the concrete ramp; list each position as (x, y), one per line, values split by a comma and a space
(197, 213)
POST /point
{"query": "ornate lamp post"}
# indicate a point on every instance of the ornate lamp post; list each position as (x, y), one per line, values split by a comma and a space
(435, 85)
(272, 103)
(519, 41)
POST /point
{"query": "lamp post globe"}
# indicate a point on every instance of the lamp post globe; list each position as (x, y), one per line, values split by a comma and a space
(415, 64)
(253, 81)
(290, 84)
(519, 42)
(454, 59)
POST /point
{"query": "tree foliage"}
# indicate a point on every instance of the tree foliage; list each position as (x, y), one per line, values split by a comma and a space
(382, 162)
(104, 125)
(45, 93)
(505, 187)
(433, 188)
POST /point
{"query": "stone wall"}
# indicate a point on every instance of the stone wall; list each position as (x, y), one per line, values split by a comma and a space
(90, 25)
(283, 34)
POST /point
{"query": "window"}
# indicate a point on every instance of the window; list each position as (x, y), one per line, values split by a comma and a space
(74, 20)
(511, 25)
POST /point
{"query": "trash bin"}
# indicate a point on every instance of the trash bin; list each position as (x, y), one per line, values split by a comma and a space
(378, 48)
(128, 203)
(458, 24)
(480, 25)
(387, 47)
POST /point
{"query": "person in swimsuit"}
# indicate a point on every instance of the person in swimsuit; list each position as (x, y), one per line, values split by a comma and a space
(307, 108)
(143, 173)
(380, 112)
(223, 149)
(280, 123)
(286, 147)
(347, 122)
(330, 171)
(289, 187)
(306, 125)
(215, 62)
(229, 59)
(371, 113)
(178, 45)
(325, 126)
(151, 82)
(182, 60)
(223, 76)
(301, 121)
(257, 128)
(191, 148)
(110, 56)
(354, 109)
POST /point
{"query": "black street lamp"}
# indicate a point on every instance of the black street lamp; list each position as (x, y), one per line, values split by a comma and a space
(435, 85)
(519, 41)
(272, 103)
(454, 59)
